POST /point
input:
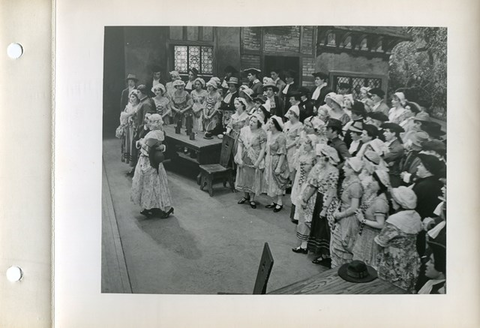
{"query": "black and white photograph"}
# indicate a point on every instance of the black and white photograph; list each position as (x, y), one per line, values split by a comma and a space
(274, 160)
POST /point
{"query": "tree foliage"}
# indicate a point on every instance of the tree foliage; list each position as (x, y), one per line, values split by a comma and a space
(419, 67)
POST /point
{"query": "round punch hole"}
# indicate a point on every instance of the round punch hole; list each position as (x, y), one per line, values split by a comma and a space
(14, 50)
(14, 274)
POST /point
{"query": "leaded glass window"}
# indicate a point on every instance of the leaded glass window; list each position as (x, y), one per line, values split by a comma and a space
(355, 83)
(188, 57)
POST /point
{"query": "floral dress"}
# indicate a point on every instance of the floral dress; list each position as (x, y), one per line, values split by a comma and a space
(292, 132)
(180, 101)
(345, 231)
(398, 260)
(365, 248)
(250, 179)
(276, 183)
(162, 106)
(303, 164)
(199, 103)
(149, 187)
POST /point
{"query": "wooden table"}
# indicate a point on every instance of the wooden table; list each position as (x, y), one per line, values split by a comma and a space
(206, 151)
(329, 282)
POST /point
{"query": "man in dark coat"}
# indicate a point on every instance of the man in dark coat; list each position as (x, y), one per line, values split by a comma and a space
(131, 82)
(391, 132)
(289, 88)
(229, 71)
(321, 90)
(156, 79)
(273, 103)
(333, 131)
(358, 116)
(275, 75)
(428, 189)
(307, 107)
(409, 163)
(253, 81)
(228, 100)
(379, 105)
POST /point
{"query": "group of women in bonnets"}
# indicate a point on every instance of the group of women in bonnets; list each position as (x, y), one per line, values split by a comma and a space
(366, 182)
(364, 186)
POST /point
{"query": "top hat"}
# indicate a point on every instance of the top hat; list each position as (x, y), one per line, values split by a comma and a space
(357, 271)
(304, 91)
(359, 108)
(291, 73)
(193, 70)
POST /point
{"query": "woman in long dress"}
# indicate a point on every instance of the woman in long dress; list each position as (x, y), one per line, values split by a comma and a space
(162, 103)
(150, 184)
(127, 123)
(346, 227)
(250, 160)
(316, 197)
(292, 129)
(276, 166)
(398, 261)
(199, 96)
(180, 103)
(372, 214)
(237, 121)
(212, 103)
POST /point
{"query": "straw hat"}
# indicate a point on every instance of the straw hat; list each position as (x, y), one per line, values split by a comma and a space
(178, 83)
(132, 77)
(159, 86)
(330, 152)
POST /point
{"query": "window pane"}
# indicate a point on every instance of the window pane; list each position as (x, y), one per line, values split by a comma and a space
(181, 60)
(207, 60)
(194, 57)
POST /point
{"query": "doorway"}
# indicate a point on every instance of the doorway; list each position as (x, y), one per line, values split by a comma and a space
(284, 63)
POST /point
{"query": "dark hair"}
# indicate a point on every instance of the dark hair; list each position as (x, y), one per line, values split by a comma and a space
(277, 126)
(266, 113)
(335, 129)
(383, 188)
(372, 130)
(259, 123)
(397, 134)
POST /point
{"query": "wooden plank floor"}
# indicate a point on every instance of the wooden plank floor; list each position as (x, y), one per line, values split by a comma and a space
(114, 269)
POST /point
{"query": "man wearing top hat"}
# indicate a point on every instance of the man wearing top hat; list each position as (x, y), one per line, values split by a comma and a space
(229, 72)
(307, 108)
(253, 81)
(273, 103)
(358, 119)
(290, 87)
(321, 90)
(275, 75)
(228, 100)
(156, 79)
(131, 82)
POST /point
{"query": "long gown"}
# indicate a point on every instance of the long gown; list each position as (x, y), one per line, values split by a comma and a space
(345, 230)
(250, 179)
(199, 103)
(365, 248)
(292, 132)
(149, 187)
(276, 183)
(319, 239)
(129, 131)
